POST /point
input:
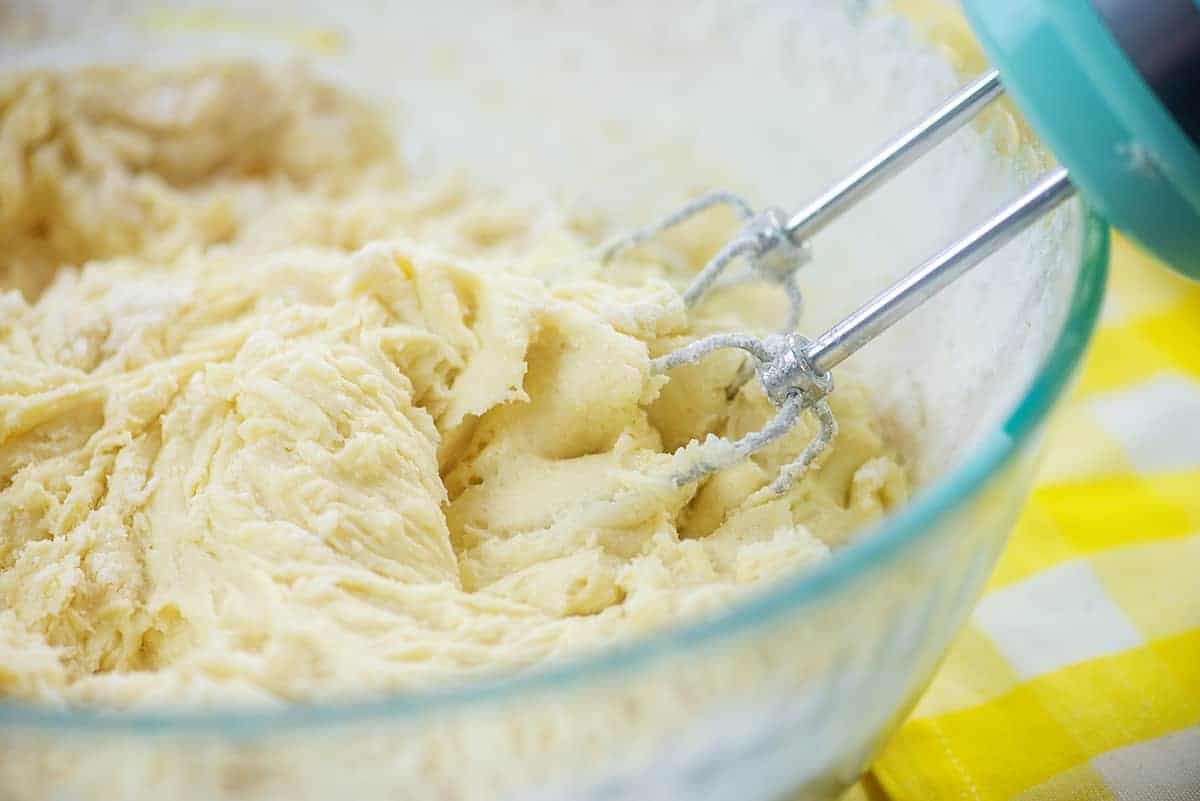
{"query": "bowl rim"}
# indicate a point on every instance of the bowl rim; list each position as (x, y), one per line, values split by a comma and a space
(876, 547)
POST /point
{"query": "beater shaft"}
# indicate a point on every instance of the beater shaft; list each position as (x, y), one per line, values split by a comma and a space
(894, 157)
(888, 307)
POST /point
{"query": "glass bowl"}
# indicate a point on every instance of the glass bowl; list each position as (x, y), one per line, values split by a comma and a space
(790, 692)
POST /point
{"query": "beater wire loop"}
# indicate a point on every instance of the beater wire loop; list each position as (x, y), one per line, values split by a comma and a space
(763, 242)
(826, 431)
(792, 385)
(783, 422)
(703, 203)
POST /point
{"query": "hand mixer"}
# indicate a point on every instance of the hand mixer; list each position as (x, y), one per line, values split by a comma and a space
(1113, 86)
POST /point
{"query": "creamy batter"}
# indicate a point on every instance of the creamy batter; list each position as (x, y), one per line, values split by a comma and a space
(279, 421)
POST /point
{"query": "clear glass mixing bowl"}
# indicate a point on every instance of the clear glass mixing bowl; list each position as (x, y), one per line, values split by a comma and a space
(790, 692)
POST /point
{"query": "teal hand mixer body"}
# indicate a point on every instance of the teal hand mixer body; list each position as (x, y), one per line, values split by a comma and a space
(1112, 86)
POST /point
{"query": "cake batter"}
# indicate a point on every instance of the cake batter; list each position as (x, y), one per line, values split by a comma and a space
(279, 421)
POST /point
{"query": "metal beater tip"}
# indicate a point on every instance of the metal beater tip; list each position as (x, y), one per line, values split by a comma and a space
(791, 384)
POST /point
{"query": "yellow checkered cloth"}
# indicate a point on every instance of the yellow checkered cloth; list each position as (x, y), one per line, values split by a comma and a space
(1078, 676)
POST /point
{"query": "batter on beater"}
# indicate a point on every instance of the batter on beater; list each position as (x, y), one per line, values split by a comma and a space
(282, 422)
